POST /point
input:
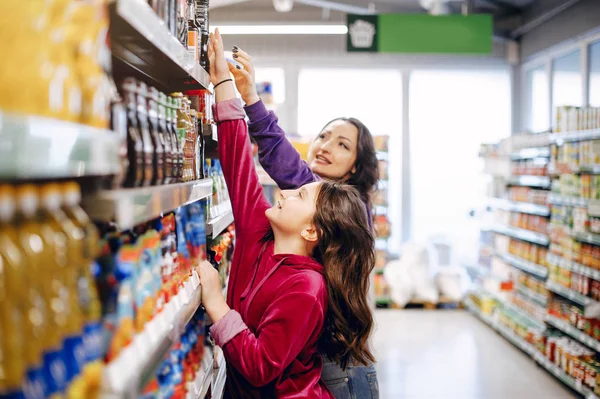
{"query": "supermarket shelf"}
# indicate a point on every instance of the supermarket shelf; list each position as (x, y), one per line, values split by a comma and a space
(530, 181)
(592, 169)
(522, 234)
(530, 153)
(141, 40)
(129, 373)
(129, 207)
(531, 351)
(566, 264)
(216, 226)
(526, 317)
(383, 301)
(522, 264)
(573, 332)
(589, 238)
(582, 135)
(532, 295)
(200, 386)
(470, 305)
(556, 199)
(564, 377)
(39, 147)
(219, 378)
(523, 207)
(591, 307)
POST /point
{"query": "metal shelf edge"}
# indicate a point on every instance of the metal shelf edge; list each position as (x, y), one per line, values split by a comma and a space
(574, 332)
(140, 16)
(125, 375)
(216, 226)
(129, 207)
(40, 147)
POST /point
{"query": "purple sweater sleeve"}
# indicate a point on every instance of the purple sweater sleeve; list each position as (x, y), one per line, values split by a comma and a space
(276, 154)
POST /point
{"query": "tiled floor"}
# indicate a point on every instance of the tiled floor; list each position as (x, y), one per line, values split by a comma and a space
(449, 354)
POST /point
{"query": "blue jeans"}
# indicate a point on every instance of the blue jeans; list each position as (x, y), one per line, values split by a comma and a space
(356, 382)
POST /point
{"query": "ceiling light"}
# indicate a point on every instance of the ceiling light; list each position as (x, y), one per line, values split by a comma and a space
(282, 29)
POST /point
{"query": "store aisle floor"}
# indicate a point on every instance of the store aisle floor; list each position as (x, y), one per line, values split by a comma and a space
(448, 354)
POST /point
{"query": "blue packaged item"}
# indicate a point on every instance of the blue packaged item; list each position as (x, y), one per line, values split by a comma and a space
(34, 386)
(93, 341)
(74, 353)
(180, 222)
(55, 371)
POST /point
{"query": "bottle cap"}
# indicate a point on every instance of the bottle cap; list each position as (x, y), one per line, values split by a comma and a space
(7, 203)
(27, 199)
(50, 196)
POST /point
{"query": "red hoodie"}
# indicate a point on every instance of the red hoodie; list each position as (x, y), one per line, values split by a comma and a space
(278, 302)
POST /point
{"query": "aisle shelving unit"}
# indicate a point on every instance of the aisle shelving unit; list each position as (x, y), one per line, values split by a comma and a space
(532, 295)
(128, 207)
(524, 265)
(217, 225)
(530, 350)
(569, 231)
(530, 181)
(129, 373)
(522, 234)
(523, 207)
(573, 332)
(42, 148)
(381, 206)
(141, 40)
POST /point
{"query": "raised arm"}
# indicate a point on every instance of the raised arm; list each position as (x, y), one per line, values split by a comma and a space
(247, 197)
(276, 154)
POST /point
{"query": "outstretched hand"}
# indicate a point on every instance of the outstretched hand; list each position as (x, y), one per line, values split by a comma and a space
(219, 70)
(244, 76)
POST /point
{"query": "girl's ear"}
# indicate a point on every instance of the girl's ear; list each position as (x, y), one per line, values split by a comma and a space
(309, 234)
(353, 170)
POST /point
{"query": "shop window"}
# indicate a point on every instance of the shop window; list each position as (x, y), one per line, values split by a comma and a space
(537, 98)
(594, 87)
(325, 94)
(567, 81)
(451, 114)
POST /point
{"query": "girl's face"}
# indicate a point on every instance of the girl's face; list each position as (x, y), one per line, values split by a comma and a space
(294, 211)
(333, 153)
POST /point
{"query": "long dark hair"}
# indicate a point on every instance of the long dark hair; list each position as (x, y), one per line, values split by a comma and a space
(367, 171)
(346, 250)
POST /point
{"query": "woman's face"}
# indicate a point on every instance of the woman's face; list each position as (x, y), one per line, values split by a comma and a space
(333, 153)
(295, 210)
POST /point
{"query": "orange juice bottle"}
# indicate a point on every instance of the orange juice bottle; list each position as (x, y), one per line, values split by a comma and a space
(43, 353)
(87, 294)
(69, 244)
(12, 300)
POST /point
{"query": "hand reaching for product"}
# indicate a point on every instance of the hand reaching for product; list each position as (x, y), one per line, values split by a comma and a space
(218, 64)
(212, 293)
(244, 76)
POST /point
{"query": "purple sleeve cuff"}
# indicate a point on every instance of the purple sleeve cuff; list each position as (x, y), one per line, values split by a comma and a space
(229, 110)
(227, 328)
(256, 111)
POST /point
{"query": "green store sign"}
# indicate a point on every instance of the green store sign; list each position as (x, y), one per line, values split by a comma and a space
(420, 33)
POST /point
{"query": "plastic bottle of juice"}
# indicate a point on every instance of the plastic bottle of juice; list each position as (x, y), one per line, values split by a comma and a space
(12, 301)
(144, 129)
(182, 128)
(69, 242)
(87, 291)
(43, 351)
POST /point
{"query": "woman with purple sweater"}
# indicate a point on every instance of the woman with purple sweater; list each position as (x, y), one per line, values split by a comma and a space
(343, 151)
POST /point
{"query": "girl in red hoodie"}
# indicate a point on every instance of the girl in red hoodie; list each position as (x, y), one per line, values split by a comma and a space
(288, 261)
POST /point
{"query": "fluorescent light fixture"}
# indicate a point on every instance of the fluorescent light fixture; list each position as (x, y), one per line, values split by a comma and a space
(281, 29)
